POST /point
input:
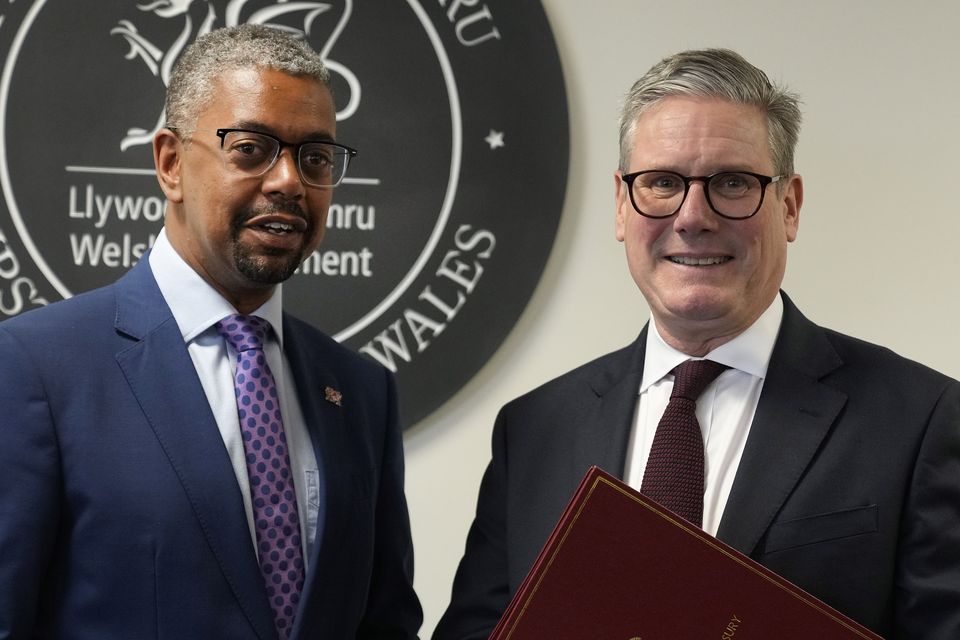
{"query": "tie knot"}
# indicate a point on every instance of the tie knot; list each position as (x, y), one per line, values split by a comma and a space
(244, 332)
(693, 376)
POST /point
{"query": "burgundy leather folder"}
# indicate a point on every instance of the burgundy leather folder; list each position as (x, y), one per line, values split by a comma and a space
(618, 566)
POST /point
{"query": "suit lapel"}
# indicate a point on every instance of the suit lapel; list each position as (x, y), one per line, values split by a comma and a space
(163, 378)
(794, 415)
(603, 441)
(313, 372)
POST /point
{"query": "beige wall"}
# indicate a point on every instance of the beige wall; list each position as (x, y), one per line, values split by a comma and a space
(877, 255)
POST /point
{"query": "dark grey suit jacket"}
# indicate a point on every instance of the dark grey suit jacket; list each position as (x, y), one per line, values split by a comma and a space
(120, 514)
(849, 484)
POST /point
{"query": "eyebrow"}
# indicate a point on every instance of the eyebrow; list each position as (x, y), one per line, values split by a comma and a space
(714, 172)
(255, 125)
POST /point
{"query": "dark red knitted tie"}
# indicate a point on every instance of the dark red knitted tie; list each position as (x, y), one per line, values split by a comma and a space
(674, 473)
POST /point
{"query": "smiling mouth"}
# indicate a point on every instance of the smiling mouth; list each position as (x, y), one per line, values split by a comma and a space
(699, 262)
(277, 228)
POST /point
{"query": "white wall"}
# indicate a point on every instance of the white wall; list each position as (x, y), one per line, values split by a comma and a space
(877, 255)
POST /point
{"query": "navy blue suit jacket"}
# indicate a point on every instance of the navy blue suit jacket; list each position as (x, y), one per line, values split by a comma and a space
(849, 484)
(120, 514)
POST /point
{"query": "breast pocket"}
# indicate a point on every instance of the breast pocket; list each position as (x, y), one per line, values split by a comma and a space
(822, 527)
(312, 485)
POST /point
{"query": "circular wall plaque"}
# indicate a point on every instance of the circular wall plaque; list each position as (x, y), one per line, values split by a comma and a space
(435, 240)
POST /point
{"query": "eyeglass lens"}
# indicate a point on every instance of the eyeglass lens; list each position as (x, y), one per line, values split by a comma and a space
(661, 193)
(320, 164)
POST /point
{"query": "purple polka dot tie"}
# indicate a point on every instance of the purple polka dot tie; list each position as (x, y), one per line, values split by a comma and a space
(673, 476)
(274, 501)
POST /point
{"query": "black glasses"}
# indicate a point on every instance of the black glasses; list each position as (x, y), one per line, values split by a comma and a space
(253, 153)
(731, 194)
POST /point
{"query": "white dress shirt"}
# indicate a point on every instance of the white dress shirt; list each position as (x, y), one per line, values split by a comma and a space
(725, 409)
(197, 307)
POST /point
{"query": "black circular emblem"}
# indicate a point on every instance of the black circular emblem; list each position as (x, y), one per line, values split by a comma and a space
(436, 239)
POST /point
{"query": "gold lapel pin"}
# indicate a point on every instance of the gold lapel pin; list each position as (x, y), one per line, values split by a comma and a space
(332, 395)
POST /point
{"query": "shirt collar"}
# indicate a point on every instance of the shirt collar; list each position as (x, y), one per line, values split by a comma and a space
(749, 352)
(197, 306)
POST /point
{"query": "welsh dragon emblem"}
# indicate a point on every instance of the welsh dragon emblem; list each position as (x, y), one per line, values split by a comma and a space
(302, 19)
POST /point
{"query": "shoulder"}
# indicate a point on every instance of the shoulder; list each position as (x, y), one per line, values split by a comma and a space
(866, 372)
(591, 379)
(314, 343)
(68, 319)
(132, 302)
(869, 362)
(831, 355)
(56, 345)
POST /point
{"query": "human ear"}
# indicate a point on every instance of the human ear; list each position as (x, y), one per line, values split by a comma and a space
(623, 207)
(167, 157)
(792, 201)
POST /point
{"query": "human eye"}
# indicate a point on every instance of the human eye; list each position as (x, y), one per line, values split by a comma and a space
(732, 185)
(316, 155)
(662, 184)
(246, 148)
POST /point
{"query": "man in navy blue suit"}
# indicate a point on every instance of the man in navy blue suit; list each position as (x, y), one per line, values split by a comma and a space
(126, 503)
(834, 462)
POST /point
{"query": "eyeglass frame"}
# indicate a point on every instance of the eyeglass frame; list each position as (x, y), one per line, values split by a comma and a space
(764, 181)
(295, 147)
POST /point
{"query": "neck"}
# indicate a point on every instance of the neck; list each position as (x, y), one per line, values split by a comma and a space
(247, 301)
(694, 347)
(697, 341)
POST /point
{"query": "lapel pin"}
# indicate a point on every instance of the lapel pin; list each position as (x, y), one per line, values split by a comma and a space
(332, 395)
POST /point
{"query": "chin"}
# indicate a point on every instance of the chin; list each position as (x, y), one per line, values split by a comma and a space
(700, 306)
(270, 270)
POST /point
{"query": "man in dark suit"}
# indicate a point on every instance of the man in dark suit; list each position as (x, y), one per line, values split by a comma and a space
(834, 462)
(127, 506)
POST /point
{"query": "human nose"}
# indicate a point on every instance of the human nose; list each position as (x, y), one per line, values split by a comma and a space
(695, 213)
(284, 176)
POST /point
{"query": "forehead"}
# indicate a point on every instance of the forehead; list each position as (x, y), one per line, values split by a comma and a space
(709, 133)
(289, 106)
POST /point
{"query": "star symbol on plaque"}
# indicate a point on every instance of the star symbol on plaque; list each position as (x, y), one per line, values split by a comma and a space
(495, 139)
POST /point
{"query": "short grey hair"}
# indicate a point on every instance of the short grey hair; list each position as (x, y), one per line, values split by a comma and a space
(191, 85)
(716, 73)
